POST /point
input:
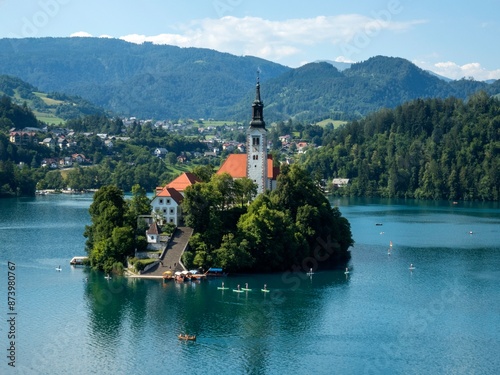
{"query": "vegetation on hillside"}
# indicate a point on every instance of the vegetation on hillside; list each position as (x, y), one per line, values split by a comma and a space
(167, 82)
(126, 163)
(293, 227)
(18, 172)
(426, 149)
(143, 80)
(52, 107)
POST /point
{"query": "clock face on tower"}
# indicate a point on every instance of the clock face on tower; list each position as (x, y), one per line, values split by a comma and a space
(255, 148)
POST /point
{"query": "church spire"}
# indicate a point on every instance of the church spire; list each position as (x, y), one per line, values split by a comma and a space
(257, 108)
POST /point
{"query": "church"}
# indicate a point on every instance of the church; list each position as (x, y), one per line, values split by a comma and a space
(256, 164)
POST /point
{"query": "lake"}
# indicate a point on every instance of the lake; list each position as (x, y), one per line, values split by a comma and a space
(443, 317)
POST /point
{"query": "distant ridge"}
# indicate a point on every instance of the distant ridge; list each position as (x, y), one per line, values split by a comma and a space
(341, 66)
(162, 81)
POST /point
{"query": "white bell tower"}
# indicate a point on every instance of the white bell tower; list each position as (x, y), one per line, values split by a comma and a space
(257, 144)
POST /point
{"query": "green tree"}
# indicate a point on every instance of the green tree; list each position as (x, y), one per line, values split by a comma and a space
(244, 190)
(109, 239)
(139, 204)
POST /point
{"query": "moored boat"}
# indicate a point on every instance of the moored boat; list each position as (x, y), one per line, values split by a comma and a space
(78, 261)
(215, 272)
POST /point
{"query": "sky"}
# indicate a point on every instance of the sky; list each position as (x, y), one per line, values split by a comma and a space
(451, 38)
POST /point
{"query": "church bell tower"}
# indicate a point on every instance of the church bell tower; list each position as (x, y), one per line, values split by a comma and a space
(257, 144)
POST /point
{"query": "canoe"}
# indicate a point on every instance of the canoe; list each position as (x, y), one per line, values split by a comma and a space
(265, 290)
(238, 290)
(222, 288)
(246, 289)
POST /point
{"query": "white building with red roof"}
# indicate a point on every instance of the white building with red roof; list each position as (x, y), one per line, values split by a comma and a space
(167, 200)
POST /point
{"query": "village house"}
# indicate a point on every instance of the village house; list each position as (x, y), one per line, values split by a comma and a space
(79, 158)
(301, 146)
(285, 139)
(22, 138)
(50, 143)
(66, 161)
(160, 152)
(51, 163)
(340, 182)
(62, 143)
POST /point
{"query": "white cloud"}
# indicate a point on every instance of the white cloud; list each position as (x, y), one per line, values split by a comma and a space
(273, 40)
(344, 59)
(81, 34)
(452, 70)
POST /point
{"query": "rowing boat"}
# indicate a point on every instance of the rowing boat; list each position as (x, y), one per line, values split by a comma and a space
(187, 337)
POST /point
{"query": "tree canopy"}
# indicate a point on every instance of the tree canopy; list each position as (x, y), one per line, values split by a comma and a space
(114, 232)
(293, 226)
(425, 149)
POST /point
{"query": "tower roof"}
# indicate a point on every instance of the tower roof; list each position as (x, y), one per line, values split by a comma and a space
(257, 109)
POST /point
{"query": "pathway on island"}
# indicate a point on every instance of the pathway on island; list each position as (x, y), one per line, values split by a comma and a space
(176, 247)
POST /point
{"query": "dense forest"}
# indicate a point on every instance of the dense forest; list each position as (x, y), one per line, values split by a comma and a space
(426, 149)
(146, 80)
(293, 227)
(167, 82)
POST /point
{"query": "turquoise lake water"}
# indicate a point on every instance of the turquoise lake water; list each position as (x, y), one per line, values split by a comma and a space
(443, 317)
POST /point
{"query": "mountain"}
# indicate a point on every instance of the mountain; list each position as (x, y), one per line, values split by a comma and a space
(143, 80)
(167, 82)
(337, 64)
(319, 90)
(52, 108)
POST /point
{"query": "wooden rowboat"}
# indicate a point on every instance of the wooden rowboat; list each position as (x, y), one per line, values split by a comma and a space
(187, 337)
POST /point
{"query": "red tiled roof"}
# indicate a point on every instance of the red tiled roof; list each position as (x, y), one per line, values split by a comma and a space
(183, 181)
(171, 193)
(236, 166)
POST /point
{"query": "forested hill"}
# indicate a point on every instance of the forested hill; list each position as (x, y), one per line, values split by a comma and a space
(319, 90)
(48, 107)
(429, 149)
(146, 80)
(167, 82)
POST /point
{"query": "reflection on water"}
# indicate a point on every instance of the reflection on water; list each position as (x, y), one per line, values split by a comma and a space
(381, 318)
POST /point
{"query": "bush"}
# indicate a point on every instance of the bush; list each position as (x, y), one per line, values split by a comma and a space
(140, 264)
(118, 268)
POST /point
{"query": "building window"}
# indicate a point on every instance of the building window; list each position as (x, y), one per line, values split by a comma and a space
(164, 210)
(255, 157)
(168, 201)
(161, 201)
(255, 141)
(171, 220)
(171, 210)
